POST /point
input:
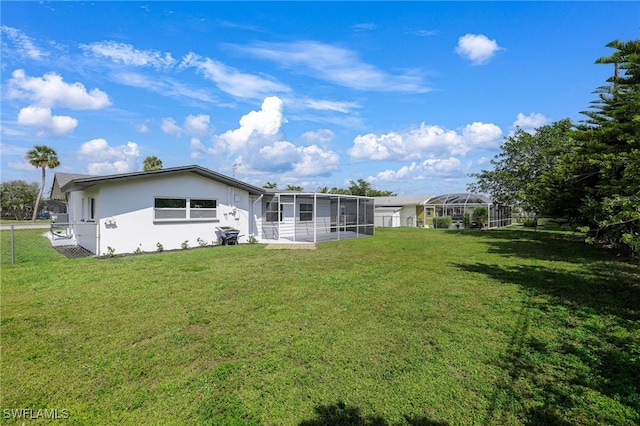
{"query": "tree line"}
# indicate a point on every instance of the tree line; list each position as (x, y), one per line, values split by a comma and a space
(360, 187)
(21, 200)
(588, 172)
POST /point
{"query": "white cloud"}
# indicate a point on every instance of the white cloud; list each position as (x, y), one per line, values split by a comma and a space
(337, 65)
(283, 156)
(6, 149)
(194, 125)
(314, 161)
(424, 141)
(425, 33)
(20, 165)
(279, 155)
(51, 91)
(128, 55)
(338, 106)
(261, 125)
(47, 124)
(197, 125)
(170, 127)
(106, 159)
(477, 48)
(198, 149)
(322, 137)
(260, 146)
(161, 85)
(232, 81)
(141, 127)
(24, 44)
(480, 135)
(530, 122)
(433, 167)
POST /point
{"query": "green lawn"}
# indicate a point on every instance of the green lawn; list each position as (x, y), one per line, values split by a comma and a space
(412, 326)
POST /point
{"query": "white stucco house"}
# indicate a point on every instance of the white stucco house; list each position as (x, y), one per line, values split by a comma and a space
(130, 212)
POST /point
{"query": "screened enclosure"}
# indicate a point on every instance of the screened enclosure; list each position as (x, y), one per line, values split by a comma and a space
(456, 206)
(313, 217)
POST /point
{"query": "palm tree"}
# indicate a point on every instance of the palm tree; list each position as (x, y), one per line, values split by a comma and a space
(270, 185)
(152, 163)
(41, 156)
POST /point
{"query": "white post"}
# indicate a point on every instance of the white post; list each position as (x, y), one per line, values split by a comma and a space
(357, 217)
(315, 217)
(13, 254)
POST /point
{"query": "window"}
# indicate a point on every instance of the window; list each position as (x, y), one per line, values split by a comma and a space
(306, 212)
(202, 209)
(274, 213)
(92, 208)
(185, 209)
(170, 208)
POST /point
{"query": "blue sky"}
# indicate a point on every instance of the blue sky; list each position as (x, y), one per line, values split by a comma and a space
(410, 96)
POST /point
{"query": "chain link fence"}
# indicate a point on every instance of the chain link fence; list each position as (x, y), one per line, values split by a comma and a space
(40, 242)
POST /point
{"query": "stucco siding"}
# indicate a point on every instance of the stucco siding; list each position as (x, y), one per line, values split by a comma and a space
(127, 217)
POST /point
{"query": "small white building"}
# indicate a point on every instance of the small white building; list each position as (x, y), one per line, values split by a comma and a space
(186, 206)
(400, 211)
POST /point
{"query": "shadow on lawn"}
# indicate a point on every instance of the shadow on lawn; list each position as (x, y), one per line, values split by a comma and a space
(574, 355)
(604, 284)
(340, 414)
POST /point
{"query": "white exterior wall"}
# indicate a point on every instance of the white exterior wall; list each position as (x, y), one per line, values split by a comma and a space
(387, 217)
(125, 213)
(408, 215)
(84, 229)
(394, 217)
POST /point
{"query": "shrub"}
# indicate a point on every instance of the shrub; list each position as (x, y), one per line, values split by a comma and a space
(185, 244)
(466, 219)
(480, 215)
(160, 247)
(442, 222)
(201, 242)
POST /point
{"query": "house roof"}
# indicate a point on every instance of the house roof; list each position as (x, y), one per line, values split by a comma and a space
(399, 201)
(62, 179)
(65, 182)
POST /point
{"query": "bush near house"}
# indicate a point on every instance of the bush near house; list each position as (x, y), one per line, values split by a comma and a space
(442, 222)
(481, 215)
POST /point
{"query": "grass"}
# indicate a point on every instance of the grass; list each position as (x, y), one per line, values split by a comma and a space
(412, 326)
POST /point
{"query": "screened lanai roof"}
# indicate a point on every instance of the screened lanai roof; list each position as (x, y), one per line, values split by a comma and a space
(462, 198)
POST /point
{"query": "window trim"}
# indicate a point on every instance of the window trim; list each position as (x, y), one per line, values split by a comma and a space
(187, 210)
(270, 213)
(308, 214)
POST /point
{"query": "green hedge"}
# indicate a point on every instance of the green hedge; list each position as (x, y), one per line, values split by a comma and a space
(442, 222)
